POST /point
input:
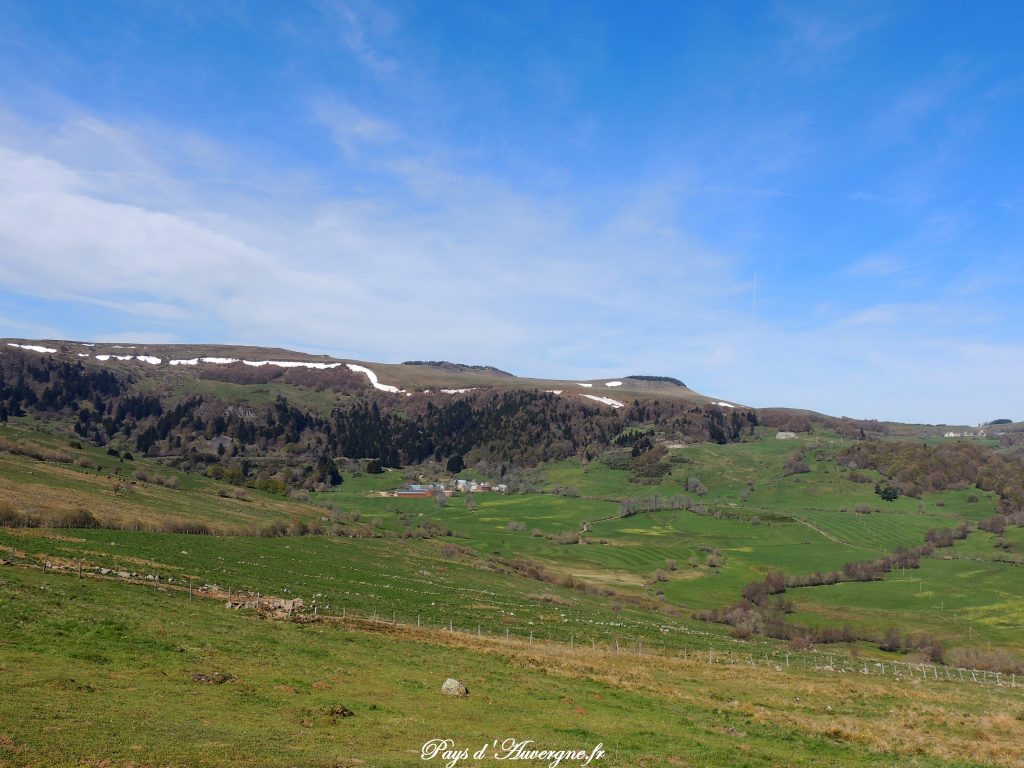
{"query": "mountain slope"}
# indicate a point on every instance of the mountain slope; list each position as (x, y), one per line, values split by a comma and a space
(283, 419)
(412, 377)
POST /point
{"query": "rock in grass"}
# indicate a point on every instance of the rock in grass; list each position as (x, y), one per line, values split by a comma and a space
(340, 710)
(214, 678)
(453, 687)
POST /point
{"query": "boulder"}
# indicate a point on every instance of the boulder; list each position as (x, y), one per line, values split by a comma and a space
(453, 687)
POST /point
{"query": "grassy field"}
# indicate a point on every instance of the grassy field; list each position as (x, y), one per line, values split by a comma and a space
(108, 487)
(755, 520)
(102, 651)
(99, 672)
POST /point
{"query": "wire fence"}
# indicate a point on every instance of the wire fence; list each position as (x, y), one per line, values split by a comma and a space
(674, 641)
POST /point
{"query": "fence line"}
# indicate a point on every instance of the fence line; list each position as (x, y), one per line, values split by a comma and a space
(821, 661)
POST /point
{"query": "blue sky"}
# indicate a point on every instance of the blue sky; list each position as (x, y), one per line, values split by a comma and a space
(817, 205)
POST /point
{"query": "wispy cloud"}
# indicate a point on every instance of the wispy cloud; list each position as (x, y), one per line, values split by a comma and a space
(351, 128)
(818, 35)
(362, 23)
(876, 266)
(917, 106)
(478, 264)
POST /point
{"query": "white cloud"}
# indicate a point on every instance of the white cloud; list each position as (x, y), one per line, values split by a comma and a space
(362, 26)
(455, 266)
(351, 128)
(463, 261)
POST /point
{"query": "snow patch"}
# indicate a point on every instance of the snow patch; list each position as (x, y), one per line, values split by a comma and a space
(605, 400)
(31, 347)
(724, 404)
(292, 364)
(256, 363)
(104, 358)
(372, 377)
(554, 391)
(82, 354)
(613, 383)
(458, 391)
(149, 359)
(581, 384)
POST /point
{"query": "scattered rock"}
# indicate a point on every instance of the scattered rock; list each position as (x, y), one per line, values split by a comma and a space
(214, 678)
(453, 687)
(340, 711)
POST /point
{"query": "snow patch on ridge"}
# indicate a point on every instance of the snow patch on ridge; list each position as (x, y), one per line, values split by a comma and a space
(292, 364)
(458, 391)
(143, 358)
(372, 377)
(605, 400)
(724, 404)
(613, 383)
(31, 347)
(582, 384)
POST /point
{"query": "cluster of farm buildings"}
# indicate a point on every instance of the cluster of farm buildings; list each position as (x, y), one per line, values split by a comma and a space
(429, 490)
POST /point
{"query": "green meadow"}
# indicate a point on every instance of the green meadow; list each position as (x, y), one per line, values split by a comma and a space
(101, 672)
(578, 621)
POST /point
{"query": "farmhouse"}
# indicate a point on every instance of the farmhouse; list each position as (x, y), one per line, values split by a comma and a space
(422, 491)
(472, 486)
(429, 490)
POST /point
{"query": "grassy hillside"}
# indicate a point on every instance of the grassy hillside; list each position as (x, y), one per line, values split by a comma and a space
(100, 672)
(571, 623)
(636, 573)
